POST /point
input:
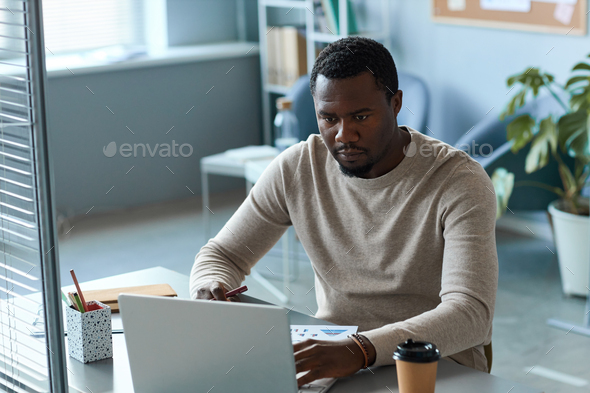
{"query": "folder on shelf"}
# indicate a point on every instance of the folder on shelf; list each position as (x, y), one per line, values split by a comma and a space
(294, 55)
(273, 38)
(286, 46)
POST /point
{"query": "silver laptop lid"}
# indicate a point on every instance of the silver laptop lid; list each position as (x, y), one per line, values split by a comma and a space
(179, 345)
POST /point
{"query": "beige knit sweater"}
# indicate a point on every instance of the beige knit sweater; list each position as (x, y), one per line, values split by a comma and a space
(410, 254)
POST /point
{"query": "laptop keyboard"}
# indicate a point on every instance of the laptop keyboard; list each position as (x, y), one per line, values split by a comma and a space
(317, 386)
(310, 387)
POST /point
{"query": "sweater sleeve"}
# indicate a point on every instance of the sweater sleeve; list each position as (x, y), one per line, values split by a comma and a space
(250, 233)
(469, 277)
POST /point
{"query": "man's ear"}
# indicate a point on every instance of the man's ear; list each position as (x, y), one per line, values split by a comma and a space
(396, 102)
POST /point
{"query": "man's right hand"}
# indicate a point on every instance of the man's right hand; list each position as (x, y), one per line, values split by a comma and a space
(214, 290)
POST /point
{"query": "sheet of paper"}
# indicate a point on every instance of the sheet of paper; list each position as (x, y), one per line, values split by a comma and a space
(564, 13)
(456, 5)
(320, 332)
(558, 1)
(506, 5)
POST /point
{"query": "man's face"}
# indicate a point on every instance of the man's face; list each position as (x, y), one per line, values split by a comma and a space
(356, 122)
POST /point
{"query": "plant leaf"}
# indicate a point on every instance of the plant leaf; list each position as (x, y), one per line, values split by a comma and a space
(576, 79)
(503, 182)
(520, 131)
(544, 143)
(536, 82)
(579, 146)
(581, 66)
(573, 133)
(510, 81)
(531, 80)
(579, 100)
(509, 108)
(548, 131)
(580, 93)
(579, 143)
(520, 98)
(537, 157)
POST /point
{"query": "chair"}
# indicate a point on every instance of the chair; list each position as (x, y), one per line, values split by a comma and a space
(492, 131)
(416, 102)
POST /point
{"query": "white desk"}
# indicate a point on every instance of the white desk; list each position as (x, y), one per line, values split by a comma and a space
(113, 375)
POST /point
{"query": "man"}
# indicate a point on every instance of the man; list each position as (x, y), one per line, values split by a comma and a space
(399, 226)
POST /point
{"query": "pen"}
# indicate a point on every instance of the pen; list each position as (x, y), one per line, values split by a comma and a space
(234, 292)
(84, 306)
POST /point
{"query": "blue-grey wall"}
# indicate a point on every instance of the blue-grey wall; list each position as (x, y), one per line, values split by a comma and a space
(193, 22)
(149, 101)
(466, 67)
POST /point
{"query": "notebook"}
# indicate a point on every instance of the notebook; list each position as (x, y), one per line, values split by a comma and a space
(109, 296)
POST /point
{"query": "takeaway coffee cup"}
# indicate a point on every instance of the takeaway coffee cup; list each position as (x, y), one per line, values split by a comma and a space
(416, 363)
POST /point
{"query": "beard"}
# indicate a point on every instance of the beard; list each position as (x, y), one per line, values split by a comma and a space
(363, 169)
(357, 171)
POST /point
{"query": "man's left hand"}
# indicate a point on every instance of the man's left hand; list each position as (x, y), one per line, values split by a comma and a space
(327, 359)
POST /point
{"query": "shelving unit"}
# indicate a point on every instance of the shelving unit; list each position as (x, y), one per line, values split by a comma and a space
(311, 38)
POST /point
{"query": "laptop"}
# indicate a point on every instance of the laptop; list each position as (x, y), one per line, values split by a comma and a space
(180, 345)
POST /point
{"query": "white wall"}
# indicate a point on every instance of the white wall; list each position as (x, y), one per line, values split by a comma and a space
(466, 67)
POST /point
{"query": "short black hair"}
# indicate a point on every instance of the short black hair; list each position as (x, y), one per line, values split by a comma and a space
(350, 56)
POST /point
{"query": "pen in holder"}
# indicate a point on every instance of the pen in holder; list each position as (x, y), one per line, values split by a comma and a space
(90, 336)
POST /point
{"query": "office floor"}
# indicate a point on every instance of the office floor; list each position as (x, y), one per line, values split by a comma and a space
(526, 350)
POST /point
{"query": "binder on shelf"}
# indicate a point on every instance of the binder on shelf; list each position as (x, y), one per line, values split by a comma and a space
(294, 55)
(321, 24)
(331, 10)
(273, 39)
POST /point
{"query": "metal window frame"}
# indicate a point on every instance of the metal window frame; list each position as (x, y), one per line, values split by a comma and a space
(50, 272)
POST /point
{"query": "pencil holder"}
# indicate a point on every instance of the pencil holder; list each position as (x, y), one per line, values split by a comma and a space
(90, 337)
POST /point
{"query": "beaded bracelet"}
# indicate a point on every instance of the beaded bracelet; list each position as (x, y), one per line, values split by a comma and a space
(359, 341)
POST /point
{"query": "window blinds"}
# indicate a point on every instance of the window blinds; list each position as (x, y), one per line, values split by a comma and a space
(75, 25)
(31, 346)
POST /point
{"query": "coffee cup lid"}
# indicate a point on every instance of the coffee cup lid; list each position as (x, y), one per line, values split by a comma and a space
(417, 352)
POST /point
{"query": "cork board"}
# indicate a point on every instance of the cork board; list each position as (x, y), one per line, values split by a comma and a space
(540, 18)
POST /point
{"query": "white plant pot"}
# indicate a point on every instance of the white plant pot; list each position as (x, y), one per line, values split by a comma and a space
(571, 233)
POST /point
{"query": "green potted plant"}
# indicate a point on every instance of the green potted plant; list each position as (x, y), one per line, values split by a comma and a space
(555, 137)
